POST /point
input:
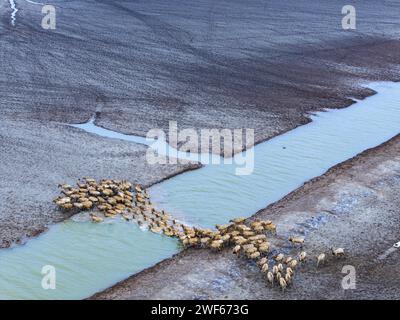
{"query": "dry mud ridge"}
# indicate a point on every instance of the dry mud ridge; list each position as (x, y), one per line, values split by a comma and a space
(355, 205)
(225, 64)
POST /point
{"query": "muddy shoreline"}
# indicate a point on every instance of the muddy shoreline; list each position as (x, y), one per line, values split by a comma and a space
(167, 173)
(181, 169)
(294, 209)
(6, 242)
(205, 65)
(200, 64)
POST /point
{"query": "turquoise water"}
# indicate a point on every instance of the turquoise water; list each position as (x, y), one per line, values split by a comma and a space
(87, 257)
(90, 257)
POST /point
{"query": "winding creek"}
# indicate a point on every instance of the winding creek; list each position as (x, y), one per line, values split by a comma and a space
(90, 257)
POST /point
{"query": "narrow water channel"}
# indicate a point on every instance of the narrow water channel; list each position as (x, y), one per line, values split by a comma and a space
(90, 257)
